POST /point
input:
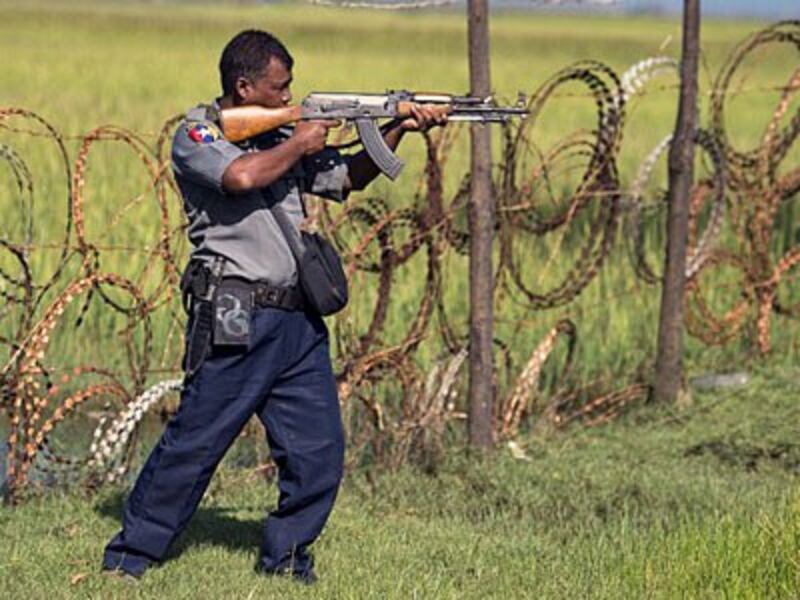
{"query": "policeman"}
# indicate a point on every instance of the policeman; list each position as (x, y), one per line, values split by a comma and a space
(253, 345)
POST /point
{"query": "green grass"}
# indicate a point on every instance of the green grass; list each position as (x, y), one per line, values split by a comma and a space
(697, 502)
(84, 64)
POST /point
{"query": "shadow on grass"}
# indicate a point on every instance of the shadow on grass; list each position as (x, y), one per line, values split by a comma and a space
(209, 526)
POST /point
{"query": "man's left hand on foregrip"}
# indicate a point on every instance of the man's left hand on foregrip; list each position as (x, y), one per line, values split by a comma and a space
(425, 116)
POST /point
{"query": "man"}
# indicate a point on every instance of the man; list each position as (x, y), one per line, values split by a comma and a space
(280, 368)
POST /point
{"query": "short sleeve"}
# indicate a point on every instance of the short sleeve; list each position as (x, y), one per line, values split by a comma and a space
(327, 174)
(201, 154)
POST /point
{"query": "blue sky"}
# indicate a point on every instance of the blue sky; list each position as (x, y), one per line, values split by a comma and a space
(766, 9)
(772, 9)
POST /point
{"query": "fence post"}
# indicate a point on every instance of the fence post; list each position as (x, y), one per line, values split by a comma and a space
(669, 365)
(481, 227)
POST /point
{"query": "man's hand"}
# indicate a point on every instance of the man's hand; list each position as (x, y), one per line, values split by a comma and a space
(312, 135)
(425, 116)
(255, 170)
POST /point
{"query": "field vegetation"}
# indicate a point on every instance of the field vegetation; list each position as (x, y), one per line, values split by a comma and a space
(82, 65)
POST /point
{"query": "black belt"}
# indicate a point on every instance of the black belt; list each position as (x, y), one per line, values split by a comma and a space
(270, 296)
(199, 282)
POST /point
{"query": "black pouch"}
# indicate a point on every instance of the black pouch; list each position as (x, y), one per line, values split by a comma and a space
(233, 309)
(319, 268)
(321, 275)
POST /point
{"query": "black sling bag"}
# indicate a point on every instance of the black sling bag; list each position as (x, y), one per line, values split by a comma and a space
(319, 268)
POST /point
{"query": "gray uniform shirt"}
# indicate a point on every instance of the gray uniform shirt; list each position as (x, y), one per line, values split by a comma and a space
(240, 227)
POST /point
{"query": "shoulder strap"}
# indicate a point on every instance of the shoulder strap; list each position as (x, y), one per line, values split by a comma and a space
(288, 230)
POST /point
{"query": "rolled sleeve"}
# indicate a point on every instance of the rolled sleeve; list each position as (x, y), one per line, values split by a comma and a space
(327, 174)
(203, 160)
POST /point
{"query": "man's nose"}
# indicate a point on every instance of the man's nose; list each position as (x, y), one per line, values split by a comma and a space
(287, 97)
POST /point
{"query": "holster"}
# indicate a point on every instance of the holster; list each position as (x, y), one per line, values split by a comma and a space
(198, 285)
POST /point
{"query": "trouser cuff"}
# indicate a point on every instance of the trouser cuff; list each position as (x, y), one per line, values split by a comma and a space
(126, 562)
(297, 563)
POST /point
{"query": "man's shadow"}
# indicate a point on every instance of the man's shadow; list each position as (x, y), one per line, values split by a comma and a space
(212, 526)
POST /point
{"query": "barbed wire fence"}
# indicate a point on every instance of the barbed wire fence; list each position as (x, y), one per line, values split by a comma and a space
(742, 191)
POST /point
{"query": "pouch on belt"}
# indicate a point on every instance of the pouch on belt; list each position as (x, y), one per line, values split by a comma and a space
(233, 308)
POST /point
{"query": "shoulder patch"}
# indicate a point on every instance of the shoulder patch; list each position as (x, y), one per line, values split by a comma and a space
(203, 133)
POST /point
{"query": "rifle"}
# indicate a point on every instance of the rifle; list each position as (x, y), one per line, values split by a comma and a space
(242, 122)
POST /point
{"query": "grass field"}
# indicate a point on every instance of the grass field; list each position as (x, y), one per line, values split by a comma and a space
(85, 64)
(697, 502)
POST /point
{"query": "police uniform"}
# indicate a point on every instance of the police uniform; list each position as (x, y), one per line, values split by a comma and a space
(283, 374)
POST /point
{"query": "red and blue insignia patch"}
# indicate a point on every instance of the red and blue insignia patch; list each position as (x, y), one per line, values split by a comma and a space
(203, 133)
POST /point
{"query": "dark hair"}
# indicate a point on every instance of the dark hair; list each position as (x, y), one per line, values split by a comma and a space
(247, 55)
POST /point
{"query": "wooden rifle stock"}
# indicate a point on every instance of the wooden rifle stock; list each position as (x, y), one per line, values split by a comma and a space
(242, 122)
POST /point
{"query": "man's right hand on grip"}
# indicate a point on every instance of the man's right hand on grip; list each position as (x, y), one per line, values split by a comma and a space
(313, 135)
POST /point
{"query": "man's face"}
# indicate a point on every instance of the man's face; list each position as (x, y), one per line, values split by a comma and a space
(272, 89)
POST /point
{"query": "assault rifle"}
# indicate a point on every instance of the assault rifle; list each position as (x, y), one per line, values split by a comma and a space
(365, 110)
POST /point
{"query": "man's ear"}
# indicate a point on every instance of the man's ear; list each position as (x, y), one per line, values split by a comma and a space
(243, 88)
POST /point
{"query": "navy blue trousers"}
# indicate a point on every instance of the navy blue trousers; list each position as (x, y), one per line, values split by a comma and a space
(285, 378)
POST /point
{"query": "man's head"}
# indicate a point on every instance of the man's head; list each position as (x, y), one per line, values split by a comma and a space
(256, 68)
